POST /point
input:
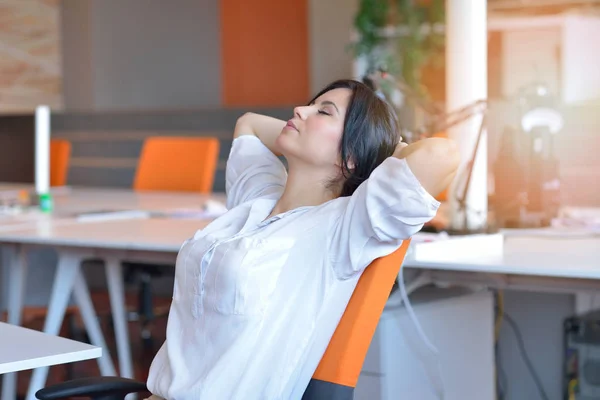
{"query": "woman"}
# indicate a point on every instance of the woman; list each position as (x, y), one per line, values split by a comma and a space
(258, 293)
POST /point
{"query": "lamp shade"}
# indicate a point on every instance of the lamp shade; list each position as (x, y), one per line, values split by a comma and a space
(542, 117)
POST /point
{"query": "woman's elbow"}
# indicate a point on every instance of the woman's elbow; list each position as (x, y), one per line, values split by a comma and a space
(438, 156)
(243, 125)
(435, 163)
(446, 154)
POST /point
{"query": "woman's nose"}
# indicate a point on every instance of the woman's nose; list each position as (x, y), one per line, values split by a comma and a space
(301, 112)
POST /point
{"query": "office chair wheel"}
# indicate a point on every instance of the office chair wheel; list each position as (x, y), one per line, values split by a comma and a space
(146, 330)
(148, 343)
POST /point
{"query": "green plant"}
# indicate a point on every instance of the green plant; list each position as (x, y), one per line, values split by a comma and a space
(371, 18)
(414, 44)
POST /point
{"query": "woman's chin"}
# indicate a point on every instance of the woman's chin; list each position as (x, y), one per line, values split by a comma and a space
(283, 141)
(288, 131)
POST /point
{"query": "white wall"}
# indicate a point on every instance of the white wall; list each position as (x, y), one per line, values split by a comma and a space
(330, 27)
(562, 52)
(581, 57)
(530, 55)
(141, 54)
(78, 88)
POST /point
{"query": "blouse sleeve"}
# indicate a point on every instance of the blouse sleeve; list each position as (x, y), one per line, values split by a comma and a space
(386, 209)
(252, 172)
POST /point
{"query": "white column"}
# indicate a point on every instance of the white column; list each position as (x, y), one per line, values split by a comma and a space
(42, 150)
(466, 82)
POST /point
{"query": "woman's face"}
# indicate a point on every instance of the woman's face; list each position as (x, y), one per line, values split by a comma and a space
(313, 136)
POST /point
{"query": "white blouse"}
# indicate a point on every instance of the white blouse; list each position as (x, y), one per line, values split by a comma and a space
(256, 302)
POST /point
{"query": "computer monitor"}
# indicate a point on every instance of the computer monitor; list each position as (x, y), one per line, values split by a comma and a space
(17, 149)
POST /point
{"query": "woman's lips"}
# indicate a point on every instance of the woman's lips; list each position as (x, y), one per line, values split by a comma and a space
(290, 124)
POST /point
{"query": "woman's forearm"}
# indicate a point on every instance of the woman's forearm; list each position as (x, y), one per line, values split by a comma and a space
(433, 161)
(264, 127)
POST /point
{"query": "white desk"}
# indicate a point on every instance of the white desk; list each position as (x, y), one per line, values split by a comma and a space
(542, 262)
(89, 199)
(22, 349)
(69, 200)
(14, 187)
(129, 236)
(114, 241)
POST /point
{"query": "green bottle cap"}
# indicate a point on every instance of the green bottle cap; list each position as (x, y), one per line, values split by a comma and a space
(46, 202)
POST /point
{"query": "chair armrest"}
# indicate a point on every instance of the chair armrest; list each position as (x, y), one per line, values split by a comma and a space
(102, 387)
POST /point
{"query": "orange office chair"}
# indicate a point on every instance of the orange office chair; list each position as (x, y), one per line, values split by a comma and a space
(338, 371)
(177, 164)
(60, 155)
(172, 164)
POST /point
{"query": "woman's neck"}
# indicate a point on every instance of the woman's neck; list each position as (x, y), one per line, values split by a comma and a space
(303, 190)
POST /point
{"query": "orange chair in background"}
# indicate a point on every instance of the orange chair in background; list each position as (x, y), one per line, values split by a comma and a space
(60, 155)
(178, 164)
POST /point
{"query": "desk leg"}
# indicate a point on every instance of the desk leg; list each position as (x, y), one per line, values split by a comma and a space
(66, 272)
(17, 275)
(16, 265)
(90, 320)
(114, 277)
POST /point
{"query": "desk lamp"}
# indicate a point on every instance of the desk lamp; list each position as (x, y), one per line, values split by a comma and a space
(527, 168)
(541, 121)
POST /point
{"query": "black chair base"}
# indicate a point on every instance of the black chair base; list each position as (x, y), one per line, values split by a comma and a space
(323, 390)
(100, 388)
(115, 388)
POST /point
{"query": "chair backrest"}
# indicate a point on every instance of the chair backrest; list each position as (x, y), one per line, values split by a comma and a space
(338, 371)
(60, 155)
(178, 164)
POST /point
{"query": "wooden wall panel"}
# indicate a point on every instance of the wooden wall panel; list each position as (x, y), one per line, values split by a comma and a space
(30, 55)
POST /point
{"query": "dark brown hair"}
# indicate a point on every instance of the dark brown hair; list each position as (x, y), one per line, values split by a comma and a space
(370, 135)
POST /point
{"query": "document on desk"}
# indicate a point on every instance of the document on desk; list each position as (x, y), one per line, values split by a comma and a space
(572, 222)
(209, 210)
(480, 246)
(578, 217)
(111, 215)
(554, 232)
(427, 237)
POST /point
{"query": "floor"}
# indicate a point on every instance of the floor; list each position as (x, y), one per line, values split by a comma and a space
(142, 353)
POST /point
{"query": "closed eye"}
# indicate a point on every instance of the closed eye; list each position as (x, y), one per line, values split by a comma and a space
(324, 112)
